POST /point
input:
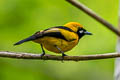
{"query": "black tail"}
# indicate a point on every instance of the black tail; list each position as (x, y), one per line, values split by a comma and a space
(25, 40)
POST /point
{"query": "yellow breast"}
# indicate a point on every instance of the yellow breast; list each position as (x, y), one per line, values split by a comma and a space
(50, 42)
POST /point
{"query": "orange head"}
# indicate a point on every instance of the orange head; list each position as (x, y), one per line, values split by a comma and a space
(78, 28)
(74, 26)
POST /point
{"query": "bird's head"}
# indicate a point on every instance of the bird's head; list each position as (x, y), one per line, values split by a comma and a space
(78, 28)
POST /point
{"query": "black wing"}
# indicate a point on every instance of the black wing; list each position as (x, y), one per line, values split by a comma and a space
(52, 32)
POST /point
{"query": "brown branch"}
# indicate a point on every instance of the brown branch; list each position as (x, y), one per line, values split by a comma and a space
(94, 15)
(59, 58)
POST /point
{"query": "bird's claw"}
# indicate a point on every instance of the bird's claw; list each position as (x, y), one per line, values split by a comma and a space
(63, 55)
(41, 56)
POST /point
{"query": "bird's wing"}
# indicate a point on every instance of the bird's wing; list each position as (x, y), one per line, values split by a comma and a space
(53, 32)
(60, 32)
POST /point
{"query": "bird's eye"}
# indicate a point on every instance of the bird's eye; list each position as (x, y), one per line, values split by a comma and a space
(81, 31)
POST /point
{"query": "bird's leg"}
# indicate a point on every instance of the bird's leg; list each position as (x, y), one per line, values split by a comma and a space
(61, 52)
(43, 51)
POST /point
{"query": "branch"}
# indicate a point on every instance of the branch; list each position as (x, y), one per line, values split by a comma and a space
(58, 58)
(94, 15)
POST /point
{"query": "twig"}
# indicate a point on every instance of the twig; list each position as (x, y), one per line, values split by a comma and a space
(94, 15)
(58, 58)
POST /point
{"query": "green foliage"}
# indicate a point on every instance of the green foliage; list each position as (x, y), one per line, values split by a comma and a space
(21, 18)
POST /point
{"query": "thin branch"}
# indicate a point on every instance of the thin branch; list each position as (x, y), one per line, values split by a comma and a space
(94, 15)
(58, 58)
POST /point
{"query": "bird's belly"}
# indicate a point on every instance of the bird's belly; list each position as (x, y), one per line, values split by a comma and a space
(50, 44)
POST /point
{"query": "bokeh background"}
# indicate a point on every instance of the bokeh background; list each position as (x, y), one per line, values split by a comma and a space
(21, 18)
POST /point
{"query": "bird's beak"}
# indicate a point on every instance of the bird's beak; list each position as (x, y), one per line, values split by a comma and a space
(88, 33)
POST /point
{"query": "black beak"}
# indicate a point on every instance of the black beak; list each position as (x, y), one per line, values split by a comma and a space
(88, 33)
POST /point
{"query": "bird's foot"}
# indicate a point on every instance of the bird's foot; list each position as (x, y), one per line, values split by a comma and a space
(41, 56)
(63, 55)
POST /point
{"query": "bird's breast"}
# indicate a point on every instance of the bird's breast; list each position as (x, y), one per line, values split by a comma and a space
(50, 42)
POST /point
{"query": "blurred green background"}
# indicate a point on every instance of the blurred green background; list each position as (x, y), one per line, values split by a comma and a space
(21, 18)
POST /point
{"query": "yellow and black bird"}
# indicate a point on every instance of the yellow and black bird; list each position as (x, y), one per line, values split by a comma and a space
(58, 39)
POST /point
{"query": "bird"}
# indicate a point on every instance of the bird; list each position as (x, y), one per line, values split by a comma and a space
(58, 39)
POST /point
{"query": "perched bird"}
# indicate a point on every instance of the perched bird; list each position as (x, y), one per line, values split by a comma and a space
(58, 39)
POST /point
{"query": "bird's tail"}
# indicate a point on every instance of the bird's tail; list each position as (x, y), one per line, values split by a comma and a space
(33, 37)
